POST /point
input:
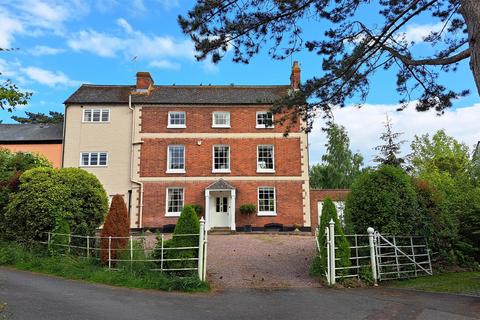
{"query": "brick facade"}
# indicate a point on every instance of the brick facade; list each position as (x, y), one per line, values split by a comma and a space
(199, 120)
(288, 201)
(198, 158)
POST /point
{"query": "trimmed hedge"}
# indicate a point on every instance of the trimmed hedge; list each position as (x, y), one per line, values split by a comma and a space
(384, 199)
(116, 225)
(46, 194)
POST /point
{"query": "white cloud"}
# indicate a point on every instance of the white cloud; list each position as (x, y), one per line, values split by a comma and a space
(95, 42)
(49, 78)
(8, 28)
(165, 64)
(161, 51)
(45, 50)
(417, 32)
(365, 125)
(169, 4)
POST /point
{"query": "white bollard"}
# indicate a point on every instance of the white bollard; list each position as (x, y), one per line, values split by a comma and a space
(332, 251)
(373, 261)
(200, 249)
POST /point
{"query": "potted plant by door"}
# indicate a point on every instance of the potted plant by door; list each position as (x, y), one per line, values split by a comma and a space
(248, 209)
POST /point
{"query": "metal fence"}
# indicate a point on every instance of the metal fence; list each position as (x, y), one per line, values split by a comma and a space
(375, 255)
(139, 251)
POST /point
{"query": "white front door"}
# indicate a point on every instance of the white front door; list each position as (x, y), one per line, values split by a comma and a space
(220, 209)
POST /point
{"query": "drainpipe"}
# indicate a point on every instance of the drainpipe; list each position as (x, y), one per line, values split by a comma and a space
(133, 142)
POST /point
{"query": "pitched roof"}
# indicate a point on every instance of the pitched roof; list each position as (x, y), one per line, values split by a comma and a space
(220, 184)
(31, 133)
(101, 94)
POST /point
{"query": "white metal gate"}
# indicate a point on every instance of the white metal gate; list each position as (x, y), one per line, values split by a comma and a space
(387, 257)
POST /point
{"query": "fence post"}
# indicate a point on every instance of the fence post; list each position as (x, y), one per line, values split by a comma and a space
(373, 260)
(161, 255)
(327, 236)
(205, 255)
(48, 241)
(88, 246)
(332, 251)
(200, 249)
(109, 252)
(69, 242)
(396, 256)
(131, 250)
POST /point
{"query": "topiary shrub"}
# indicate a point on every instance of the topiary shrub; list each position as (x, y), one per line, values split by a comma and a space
(198, 209)
(45, 194)
(187, 224)
(319, 264)
(116, 225)
(384, 199)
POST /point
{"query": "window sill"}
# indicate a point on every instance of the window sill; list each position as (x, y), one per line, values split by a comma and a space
(175, 171)
(176, 127)
(221, 171)
(96, 122)
(266, 214)
(264, 127)
(98, 166)
(265, 170)
(221, 127)
(172, 214)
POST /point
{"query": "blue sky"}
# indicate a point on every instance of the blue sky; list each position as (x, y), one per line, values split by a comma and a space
(65, 43)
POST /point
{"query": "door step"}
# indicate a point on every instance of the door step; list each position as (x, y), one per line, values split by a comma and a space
(219, 230)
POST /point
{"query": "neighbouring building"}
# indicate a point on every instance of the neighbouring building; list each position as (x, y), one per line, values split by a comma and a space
(44, 139)
(162, 147)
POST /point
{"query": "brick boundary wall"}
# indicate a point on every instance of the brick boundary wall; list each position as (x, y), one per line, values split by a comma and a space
(321, 194)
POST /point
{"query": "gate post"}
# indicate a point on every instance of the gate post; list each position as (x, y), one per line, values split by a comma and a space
(332, 251)
(200, 248)
(373, 261)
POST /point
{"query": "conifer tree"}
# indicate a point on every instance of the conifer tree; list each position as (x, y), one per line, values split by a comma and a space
(390, 150)
(116, 225)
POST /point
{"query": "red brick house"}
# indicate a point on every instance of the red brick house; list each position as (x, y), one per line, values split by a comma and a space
(166, 146)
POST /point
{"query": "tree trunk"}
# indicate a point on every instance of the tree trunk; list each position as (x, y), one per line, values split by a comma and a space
(470, 11)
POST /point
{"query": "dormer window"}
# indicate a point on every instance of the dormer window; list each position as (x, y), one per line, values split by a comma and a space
(96, 115)
(221, 119)
(177, 119)
(264, 119)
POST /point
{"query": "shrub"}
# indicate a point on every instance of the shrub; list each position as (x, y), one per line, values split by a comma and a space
(116, 225)
(188, 223)
(59, 240)
(383, 199)
(319, 265)
(46, 194)
(198, 209)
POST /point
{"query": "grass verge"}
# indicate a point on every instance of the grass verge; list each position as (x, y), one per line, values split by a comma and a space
(79, 268)
(451, 282)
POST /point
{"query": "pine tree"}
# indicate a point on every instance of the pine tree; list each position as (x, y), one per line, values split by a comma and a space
(116, 225)
(390, 150)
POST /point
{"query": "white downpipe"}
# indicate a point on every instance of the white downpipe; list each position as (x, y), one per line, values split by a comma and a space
(132, 161)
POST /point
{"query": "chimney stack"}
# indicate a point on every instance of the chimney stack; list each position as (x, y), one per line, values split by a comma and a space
(144, 81)
(295, 76)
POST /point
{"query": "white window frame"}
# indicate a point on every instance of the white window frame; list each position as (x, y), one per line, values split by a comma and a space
(264, 170)
(213, 159)
(177, 126)
(267, 213)
(102, 110)
(90, 157)
(263, 126)
(173, 214)
(169, 160)
(227, 125)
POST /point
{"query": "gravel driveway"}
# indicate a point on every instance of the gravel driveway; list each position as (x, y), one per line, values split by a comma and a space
(260, 260)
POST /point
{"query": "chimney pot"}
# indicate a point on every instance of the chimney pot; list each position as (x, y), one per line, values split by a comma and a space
(144, 81)
(295, 76)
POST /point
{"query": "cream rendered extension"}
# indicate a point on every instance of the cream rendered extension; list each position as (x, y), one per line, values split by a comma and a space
(114, 137)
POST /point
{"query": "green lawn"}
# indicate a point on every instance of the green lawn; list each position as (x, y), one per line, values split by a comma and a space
(452, 282)
(72, 267)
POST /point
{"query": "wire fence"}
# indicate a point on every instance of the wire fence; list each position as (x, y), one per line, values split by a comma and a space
(136, 251)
